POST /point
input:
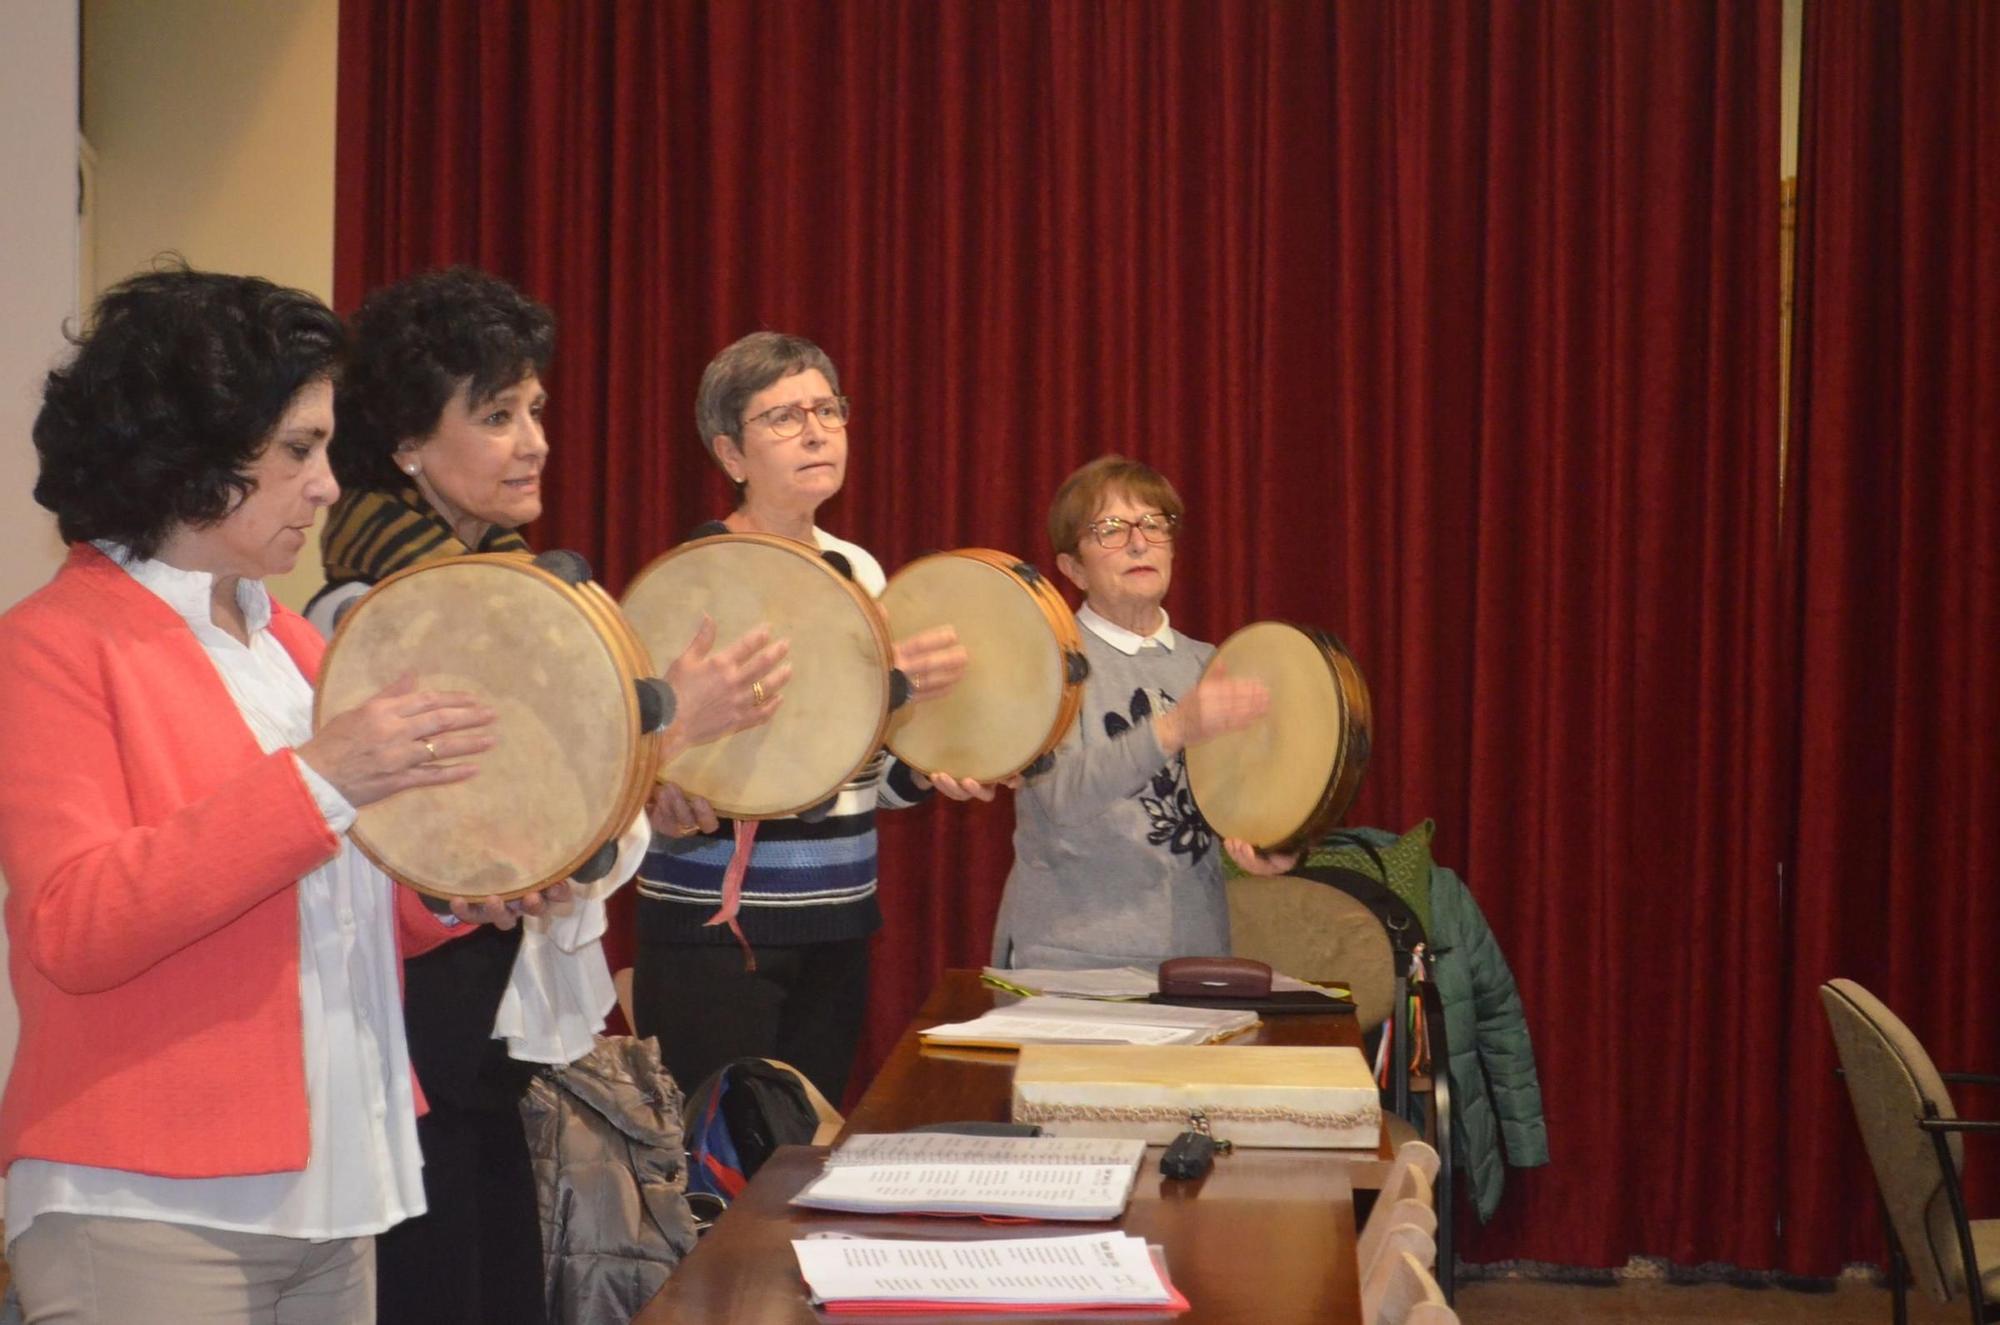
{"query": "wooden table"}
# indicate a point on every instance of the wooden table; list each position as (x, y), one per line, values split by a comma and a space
(1266, 1239)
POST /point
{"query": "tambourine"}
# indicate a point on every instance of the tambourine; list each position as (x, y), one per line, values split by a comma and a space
(577, 733)
(1286, 779)
(1023, 682)
(838, 700)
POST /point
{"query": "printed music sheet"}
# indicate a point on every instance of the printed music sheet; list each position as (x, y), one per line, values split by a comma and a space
(1092, 1270)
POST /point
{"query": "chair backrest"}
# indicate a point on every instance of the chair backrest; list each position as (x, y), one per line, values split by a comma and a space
(1889, 1079)
(1388, 1228)
(1314, 932)
(1417, 1156)
(1403, 1293)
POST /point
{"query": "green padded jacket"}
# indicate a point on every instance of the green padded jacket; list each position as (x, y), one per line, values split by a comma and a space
(1496, 1096)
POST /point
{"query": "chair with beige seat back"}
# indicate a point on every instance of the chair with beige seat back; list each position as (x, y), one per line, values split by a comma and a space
(1911, 1131)
(1316, 930)
(1306, 929)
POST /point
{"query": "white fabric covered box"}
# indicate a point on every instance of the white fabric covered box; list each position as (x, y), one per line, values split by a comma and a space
(1304, 1097)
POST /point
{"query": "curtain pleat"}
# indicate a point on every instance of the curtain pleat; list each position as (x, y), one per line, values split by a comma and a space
(1895, 487)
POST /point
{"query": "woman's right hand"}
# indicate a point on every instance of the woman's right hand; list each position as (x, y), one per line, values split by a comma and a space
(1219, 703)
(401, 738)
(729, 690)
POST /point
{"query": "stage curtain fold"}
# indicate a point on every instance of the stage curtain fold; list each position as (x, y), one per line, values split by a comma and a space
(1895, 488)
(1454, 324)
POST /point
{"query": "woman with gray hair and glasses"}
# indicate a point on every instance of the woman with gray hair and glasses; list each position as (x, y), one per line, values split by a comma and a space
(771, 414)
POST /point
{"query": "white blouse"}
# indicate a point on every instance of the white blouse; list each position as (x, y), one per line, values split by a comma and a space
(365, 1172)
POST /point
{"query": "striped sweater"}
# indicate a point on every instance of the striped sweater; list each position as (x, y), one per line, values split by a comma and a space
(808, 881)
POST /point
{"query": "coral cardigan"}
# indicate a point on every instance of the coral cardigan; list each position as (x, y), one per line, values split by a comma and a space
(152, 852)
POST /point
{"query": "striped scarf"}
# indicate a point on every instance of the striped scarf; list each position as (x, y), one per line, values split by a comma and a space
(369, 536)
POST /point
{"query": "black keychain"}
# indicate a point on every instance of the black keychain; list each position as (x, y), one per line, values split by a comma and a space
(1193, 1152)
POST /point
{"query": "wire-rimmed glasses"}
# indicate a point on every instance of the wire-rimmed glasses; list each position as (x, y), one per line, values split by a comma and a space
(784, 421)
(1113, 533)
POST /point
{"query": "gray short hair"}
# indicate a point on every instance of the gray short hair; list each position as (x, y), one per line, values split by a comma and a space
(744, 369)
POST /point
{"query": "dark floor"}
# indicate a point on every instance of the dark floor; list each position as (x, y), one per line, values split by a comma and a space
(1527, 1302)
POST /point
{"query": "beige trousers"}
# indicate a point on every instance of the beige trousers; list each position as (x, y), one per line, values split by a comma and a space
(96, 1270)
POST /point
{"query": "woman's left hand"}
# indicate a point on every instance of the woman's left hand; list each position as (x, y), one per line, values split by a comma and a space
(965, 789)
(507, 914)
(1254, 861)
(932, 661)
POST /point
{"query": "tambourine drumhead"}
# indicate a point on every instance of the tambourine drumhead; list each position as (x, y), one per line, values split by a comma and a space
(1290, 775)
(570, 767)
(837, 700)
(1016, 698)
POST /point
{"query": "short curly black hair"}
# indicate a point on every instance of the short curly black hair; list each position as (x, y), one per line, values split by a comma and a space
(173, 391)
(414, 344)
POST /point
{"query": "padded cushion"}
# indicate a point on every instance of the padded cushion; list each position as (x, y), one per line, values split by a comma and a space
(1314, 932)
(1986, 1246)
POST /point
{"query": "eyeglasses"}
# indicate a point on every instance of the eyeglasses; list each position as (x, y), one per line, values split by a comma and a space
(790, 420)
(1114, 533)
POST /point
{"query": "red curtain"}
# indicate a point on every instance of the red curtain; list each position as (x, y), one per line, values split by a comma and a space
(1896, 487)
(1455, 324)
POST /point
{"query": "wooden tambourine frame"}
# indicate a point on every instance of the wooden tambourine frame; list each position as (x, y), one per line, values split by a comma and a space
(1284, 781)
(387, 831)
(1041, 650)
(743, 775)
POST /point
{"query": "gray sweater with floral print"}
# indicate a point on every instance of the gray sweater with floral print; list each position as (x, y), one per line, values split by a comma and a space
(1113, 864)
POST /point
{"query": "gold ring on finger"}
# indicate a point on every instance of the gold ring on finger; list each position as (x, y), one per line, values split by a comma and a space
(430, 749)
(757, 693)
(915, 683)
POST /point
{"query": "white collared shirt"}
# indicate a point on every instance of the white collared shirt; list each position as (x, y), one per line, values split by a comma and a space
(1125, 641)
(365, 1171)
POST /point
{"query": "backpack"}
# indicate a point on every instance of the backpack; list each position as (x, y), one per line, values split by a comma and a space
(743, 1111)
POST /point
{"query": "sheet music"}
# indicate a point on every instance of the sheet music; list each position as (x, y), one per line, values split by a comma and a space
(1051, 1020)
(937, 1173)
(1098, 1269)
(1026, 1191)
(955, 1148)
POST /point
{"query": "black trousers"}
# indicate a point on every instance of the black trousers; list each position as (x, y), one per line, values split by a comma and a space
(802, 1005)
(476, 1258)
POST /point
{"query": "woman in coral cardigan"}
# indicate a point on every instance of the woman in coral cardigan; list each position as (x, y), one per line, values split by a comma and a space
(211, 1110)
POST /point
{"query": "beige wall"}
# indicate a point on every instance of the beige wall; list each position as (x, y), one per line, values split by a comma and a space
(38, 292)
(212, 122)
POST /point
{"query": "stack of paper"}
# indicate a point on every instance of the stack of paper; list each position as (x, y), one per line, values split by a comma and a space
(1094, 1270)
(1046, 1020)
(942, 1174)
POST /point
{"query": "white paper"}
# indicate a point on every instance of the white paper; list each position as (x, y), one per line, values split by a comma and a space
(959, 1148)
(1028, 1177)
(1052, 1020)
(1097, 1269)
(1037, 1191)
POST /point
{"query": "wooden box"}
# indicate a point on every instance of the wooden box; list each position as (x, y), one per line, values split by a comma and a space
(1305, 1097)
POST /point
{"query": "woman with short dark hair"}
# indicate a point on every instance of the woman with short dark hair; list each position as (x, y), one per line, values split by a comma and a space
(211, 1110)
(441, 451)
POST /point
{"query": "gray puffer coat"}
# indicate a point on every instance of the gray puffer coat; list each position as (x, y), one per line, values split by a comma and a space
(611, 1177)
